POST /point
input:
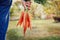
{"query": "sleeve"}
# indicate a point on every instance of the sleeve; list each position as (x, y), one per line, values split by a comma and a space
(4, 10)
(5, 2)
(4, 17)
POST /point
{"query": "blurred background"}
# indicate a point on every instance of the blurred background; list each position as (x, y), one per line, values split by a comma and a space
(45, 21)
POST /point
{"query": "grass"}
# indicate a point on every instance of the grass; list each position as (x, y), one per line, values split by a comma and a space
(41, 30)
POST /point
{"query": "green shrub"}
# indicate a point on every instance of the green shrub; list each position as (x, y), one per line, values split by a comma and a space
(40, 1)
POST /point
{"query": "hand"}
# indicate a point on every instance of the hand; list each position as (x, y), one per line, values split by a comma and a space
(26, 4)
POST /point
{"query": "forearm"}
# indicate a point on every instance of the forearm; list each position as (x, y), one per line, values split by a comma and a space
(24, 4)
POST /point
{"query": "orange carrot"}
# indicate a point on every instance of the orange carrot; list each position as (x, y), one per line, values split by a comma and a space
(21, 19)
(28, 19)
(25, 20)
(25, 24)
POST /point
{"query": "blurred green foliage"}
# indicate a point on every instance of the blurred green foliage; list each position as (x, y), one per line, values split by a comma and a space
(40, 1)
(14, 9)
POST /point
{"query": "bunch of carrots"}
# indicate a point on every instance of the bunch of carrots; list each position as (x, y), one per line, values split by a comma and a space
(25, 19)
